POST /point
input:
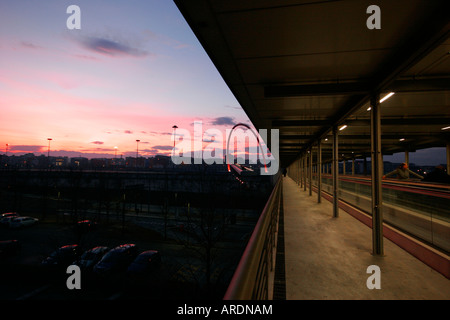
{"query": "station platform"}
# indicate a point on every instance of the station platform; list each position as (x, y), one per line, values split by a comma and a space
(326, 258)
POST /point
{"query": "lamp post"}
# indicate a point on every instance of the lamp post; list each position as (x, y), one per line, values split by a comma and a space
(115, 152)
(174, 132)
(137, 150)
(48, 151)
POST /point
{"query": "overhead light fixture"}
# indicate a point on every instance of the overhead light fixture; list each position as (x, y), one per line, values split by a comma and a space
(369, 108)
(390, 94)
(343, 127)
(402, 139)
(446, 128)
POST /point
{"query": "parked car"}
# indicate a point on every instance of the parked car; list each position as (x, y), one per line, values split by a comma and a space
(63, 256)
(8, 214)
(144, 262)
(20, 222)
(84, 226)
(91, 257)
(7, 220)
(9, 248)
(116, 259)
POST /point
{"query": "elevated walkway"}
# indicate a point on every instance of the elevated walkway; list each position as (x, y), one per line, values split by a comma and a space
(327, 258)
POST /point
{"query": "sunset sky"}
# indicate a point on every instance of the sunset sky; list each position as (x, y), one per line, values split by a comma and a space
(132, 71)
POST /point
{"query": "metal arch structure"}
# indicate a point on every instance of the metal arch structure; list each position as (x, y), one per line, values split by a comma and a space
(228, 144)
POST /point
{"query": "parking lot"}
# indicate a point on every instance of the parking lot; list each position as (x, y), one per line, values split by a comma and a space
(182, 272)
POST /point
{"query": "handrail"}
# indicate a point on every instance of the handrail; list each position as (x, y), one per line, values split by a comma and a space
(251, 278)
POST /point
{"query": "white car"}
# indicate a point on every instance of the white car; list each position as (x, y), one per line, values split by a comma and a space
(22, 222)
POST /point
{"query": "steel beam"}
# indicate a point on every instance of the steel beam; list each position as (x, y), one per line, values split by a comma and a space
(404, 85)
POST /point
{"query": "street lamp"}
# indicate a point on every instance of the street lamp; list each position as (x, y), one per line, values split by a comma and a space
(115, 152)
(137, 150)
(174, 132)
(48, 151)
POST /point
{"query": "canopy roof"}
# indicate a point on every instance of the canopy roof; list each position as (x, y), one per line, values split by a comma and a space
(305, 66)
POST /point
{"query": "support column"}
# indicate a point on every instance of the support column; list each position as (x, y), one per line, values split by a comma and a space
(310, 171)
(407, 157)
(301, 171)
(304, 171)
(319, 172)
(343, 166)
(335, 173)
(377, 173)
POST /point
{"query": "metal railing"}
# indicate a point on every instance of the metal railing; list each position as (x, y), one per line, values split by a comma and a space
(251, 278)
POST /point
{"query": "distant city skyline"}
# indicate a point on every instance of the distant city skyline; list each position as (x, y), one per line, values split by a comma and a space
(424, 157)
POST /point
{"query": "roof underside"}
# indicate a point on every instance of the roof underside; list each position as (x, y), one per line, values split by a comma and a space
(304, 67)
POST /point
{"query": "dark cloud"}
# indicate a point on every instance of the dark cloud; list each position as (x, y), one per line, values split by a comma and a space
(232, 107)
(96, 149)
(111, 48)
(223, 121)
(22, 148)
(162, 147)
(29, 45)
(97, 142)
(128, 132)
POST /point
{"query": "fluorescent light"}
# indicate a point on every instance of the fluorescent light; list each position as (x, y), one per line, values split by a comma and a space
(343, 127)
(390, 94)
(402, 139)
(446, 128)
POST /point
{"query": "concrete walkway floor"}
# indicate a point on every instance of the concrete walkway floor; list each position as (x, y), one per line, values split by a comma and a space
(327, 258)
